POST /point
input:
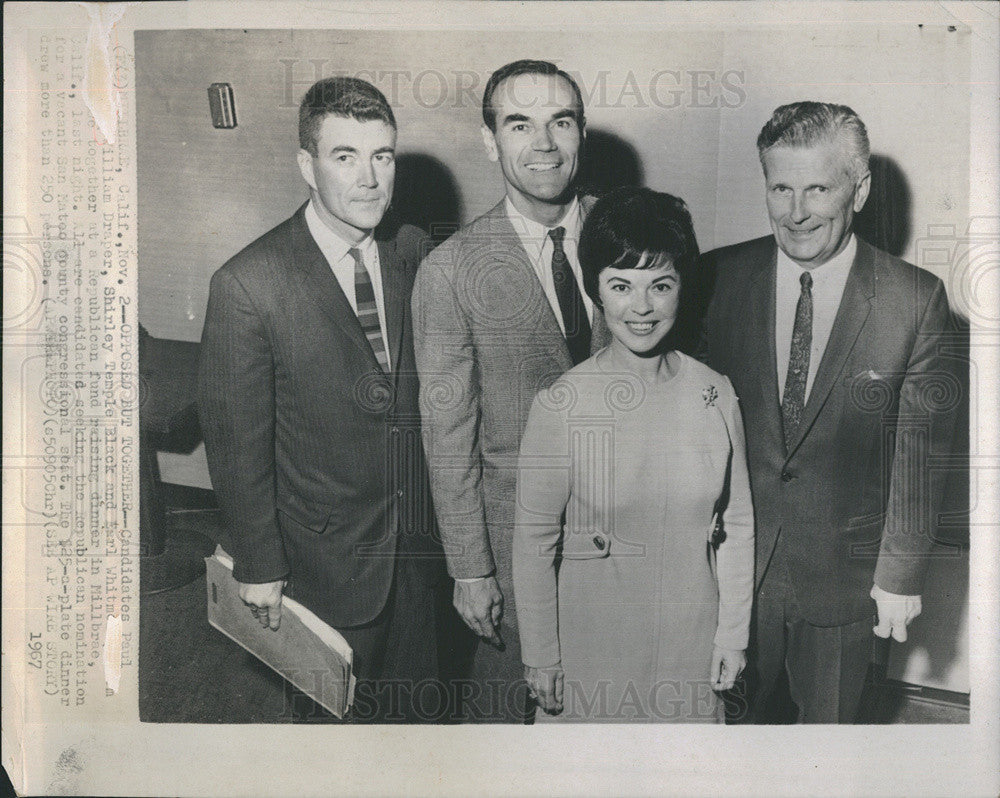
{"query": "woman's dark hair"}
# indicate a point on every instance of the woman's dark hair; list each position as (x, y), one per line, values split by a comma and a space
(633, 227)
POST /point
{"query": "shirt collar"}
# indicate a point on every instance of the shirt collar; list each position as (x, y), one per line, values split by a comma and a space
(836, 267)
(330, 243)
(534, 235)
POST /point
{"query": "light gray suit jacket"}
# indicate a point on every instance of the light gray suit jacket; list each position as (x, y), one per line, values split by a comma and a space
(486, 341)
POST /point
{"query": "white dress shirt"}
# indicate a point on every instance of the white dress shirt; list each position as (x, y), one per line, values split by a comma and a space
(337, 252)
(827, 289)
(538, 244)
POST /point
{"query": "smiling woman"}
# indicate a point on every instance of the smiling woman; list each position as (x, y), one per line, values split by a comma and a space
(637, 253)
(638, 607)
(640, 305)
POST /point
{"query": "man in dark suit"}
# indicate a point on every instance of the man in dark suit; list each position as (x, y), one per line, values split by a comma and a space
(309, 405)
(834, 348)
(499, 312)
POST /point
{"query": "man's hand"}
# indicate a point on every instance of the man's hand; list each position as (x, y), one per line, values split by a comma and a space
(545, 685)
(480, 603)
(727, 664)
(264, 601)
(894, 613)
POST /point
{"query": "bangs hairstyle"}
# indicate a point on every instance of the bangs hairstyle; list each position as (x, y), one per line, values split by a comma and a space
(806, 123)
(632, 228)
(526, 67)
(351, 98)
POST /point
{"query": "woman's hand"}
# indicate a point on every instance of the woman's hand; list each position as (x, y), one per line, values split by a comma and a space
(545, 685)
(727, 664)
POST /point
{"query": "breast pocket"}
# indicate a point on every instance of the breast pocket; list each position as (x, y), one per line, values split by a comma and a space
(873, 392)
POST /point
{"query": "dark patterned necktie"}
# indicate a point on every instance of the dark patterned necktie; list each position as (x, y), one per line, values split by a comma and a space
(364, 297)
(794, 398)
(574, 312)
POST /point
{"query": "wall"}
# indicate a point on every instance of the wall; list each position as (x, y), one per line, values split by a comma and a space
(206, 193)
(677, 109)
(907, 84)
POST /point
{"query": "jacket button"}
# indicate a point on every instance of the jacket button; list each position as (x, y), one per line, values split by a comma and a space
(786, 477)
(399, 493)
(599, 542)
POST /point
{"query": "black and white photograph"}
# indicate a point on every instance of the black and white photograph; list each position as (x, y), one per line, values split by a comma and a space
(590, 552)
(615, 366)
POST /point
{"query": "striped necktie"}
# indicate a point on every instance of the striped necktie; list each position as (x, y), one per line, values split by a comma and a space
(364, 296)
(794, 398)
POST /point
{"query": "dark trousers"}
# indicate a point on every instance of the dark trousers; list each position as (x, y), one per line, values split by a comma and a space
(496, 691)
(825, 666)
(395, 658)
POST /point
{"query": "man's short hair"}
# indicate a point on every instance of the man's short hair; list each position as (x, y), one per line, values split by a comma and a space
(806, 123)
(351, 98)
(526, 67)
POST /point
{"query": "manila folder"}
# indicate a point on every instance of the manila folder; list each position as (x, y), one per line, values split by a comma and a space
(307, 652)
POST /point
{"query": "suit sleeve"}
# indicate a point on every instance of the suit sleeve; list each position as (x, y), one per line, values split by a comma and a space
(543, 488)
(450, 409)
(932, 389)
(735, 556)
(237, 415)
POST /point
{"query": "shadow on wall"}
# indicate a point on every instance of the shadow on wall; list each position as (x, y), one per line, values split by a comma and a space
(427, 195)
(885, 221)
(937, 639)
(608, 162)
(953, 522)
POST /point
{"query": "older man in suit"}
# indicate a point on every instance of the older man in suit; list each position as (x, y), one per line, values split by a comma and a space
(834, 348)
(499, 313)
(309, 406)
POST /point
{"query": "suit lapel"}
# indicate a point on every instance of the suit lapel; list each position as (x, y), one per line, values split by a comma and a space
(755, 327)
(525, 275)
(322, 287)
(600, 335)
(758, 336)
(855, 307)
(523, 282)
(394, 298)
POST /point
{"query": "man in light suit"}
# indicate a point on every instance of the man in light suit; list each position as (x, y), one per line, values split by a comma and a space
(309, 405)
(835, 350)
(499, 312)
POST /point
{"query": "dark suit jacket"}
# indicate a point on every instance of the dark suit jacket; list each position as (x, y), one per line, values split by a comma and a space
(854, 498)
(487, 341)
(314, 452)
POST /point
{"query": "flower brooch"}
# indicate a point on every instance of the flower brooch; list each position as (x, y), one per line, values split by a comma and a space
(710, 395)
